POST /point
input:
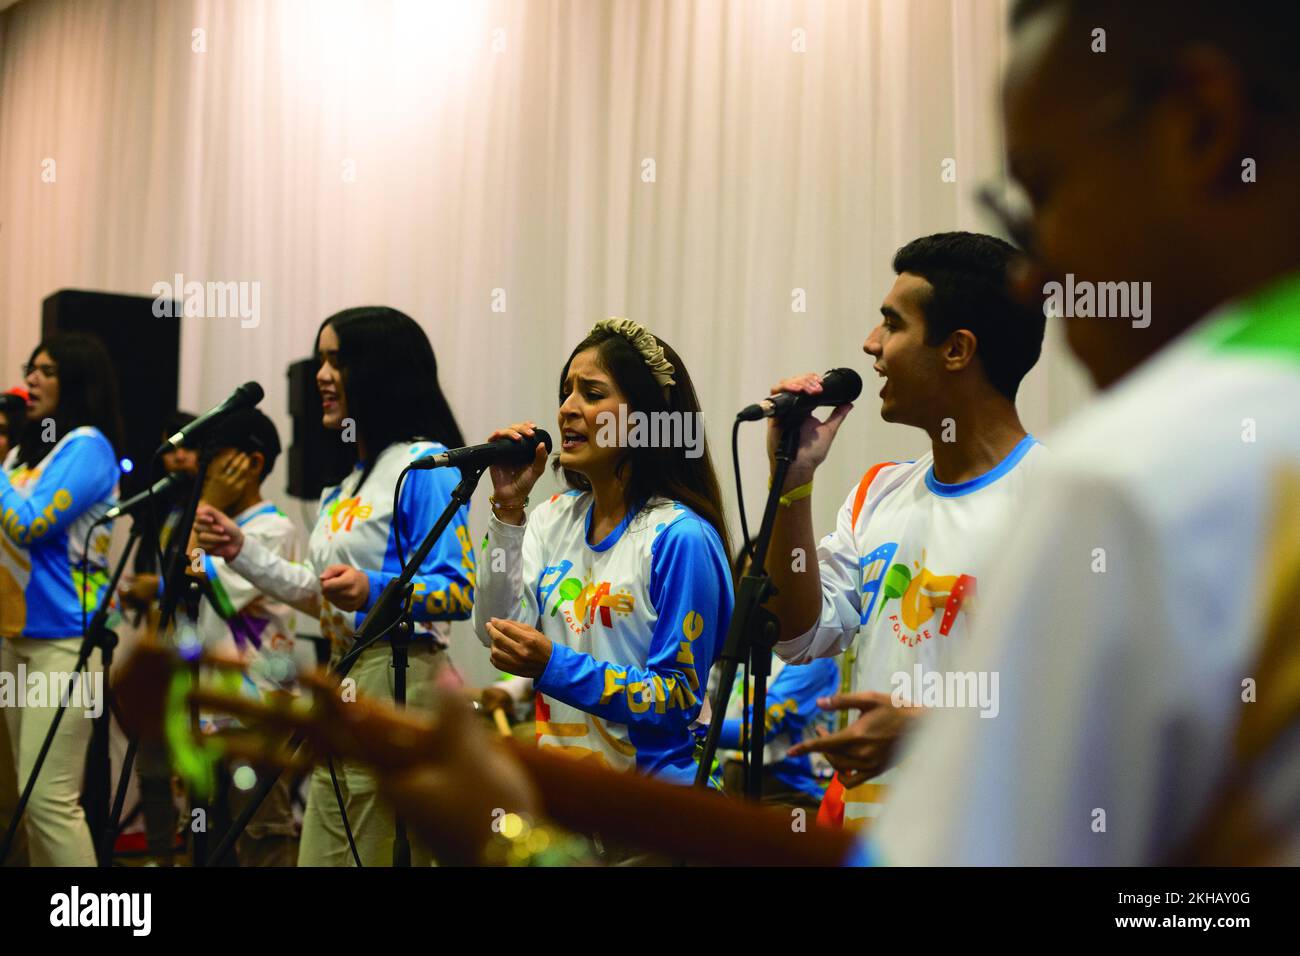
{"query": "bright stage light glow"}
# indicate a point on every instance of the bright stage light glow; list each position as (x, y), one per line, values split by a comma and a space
(127, 466)
(387, 56)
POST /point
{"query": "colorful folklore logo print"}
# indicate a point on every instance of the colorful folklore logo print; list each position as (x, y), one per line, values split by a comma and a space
(920, 592)
(580, 601)
(344, 511)
(871, 573)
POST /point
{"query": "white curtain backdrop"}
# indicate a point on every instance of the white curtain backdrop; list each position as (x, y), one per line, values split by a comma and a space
(691, 164)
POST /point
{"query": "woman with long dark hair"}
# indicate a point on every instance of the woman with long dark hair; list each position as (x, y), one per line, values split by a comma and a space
(614, 596)
(378, 382)
(60, 478)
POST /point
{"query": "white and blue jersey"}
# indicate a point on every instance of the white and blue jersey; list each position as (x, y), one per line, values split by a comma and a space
(634, 621)
(899, 580)
(792, 716)
(355, 527)
(46, 511)
(239, 620)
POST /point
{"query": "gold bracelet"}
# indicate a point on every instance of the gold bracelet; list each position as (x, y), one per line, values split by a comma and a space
(516, 504)
(795, 494)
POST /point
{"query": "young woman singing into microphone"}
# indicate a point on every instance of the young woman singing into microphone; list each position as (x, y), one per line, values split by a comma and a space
(58, 480)
(614, 597)
(378, 381)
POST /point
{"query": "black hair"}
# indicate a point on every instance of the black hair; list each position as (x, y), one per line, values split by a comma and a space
(146, 555)
(967, 272)
(1150, 33)
(390, 380)
(666, 472)
(14, 410)
(176, 421)
(87, 394)
(247, 430)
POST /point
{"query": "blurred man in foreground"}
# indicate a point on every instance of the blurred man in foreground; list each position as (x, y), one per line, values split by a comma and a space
(1146, 641)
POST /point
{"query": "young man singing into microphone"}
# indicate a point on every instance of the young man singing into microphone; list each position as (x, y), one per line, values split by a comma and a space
(913, 538)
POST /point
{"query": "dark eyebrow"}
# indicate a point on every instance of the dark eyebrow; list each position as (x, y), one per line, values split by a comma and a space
(584, 380)
(889, 312)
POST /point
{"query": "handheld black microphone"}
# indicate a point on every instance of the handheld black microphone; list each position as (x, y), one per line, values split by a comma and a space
(839, 386)
(503, 451)
(246, 396)
(163, 486)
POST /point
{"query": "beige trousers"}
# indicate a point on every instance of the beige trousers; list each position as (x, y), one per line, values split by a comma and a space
(324, 842)
(55, 824)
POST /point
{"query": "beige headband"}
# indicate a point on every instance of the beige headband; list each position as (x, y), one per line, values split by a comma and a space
(643, 342)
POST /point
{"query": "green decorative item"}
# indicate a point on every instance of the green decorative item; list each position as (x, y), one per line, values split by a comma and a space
(194, 759)
(570, 588)
(895, 584)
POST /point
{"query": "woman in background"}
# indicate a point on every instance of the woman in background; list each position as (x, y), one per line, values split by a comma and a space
(378, 381)
(60, 478)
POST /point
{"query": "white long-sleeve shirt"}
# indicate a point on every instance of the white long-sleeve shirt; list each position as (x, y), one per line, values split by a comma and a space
(901, 580)
(243, 621)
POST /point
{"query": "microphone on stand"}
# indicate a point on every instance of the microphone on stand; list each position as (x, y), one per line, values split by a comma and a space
(839, 386)
(163, 486)
(246, 396)
(503, 451)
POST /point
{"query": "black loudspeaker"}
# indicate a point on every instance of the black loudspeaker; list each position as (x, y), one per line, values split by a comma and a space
(145, 351)
(318, 457)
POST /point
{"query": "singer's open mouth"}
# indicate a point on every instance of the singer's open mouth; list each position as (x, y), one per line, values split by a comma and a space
(570, 440)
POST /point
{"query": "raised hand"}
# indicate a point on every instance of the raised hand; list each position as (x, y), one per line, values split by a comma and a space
(512, 483)
(225, 482)
(815, 436)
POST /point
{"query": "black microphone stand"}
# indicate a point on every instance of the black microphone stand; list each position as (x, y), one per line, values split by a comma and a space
(389, 612)
(108, 836)
(97, 636)
(177, 585)
(753, 633)
(400, 644)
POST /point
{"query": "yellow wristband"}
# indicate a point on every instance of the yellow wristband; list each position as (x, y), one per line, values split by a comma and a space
(795, 494)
